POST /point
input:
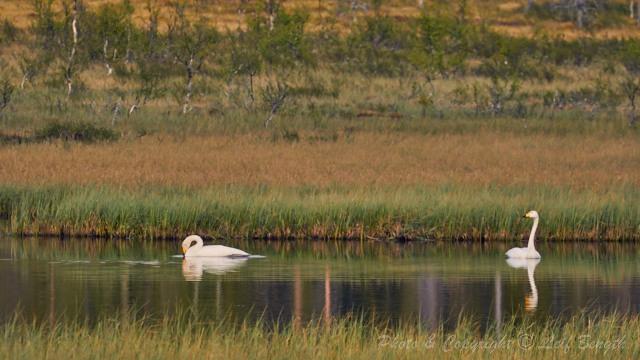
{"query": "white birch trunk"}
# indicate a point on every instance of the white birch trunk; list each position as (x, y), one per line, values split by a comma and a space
(69, 70)
(106, 57)
(186, 106)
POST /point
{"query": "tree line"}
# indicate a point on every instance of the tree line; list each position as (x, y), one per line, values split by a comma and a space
(64, 41)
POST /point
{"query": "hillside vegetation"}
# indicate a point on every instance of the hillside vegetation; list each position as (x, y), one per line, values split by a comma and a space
(378, 120)
(609, 19)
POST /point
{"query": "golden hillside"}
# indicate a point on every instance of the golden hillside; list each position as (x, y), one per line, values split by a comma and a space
(611, 20)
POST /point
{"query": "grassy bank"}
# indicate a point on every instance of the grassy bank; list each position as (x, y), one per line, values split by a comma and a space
(329, 213)
(581, 336)
(367, 185)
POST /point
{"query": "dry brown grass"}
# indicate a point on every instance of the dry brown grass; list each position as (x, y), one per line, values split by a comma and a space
(369, 159)
(506, 17)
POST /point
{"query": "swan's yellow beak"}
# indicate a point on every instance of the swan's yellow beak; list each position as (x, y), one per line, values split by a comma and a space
(184, 250)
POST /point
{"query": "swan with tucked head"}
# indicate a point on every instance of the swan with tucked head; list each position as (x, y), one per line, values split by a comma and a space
(189, 249)
(530, 251)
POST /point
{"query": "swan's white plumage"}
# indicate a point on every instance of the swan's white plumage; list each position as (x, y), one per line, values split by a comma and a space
(523, 253)
(199, 250)
(530, 251)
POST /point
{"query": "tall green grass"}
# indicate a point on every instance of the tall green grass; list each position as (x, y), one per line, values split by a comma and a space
(348, 338)
(335, 212)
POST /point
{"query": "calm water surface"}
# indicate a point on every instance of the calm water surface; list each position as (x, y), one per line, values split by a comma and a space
(50, 279)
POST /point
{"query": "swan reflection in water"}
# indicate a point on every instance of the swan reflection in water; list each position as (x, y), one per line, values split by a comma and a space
(193, 268)
(531, 300)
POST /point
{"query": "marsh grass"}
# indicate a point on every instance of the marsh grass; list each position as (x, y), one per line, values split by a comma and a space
(178, 337)
(484, 158)
(322, 213)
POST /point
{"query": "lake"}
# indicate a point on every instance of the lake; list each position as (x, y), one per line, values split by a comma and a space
(50, 280)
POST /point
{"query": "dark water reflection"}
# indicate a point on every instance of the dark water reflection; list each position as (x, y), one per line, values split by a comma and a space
(50, 279)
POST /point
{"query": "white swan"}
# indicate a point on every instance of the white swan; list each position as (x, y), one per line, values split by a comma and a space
(530, 301)
(530, 251)
(194, 267)
(199, 250)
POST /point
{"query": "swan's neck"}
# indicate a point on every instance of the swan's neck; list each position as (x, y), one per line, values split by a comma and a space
(533, 300)
(532, 236)
(532, 281)
(198, 245)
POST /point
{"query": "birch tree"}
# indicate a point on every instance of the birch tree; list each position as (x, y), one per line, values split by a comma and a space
(149, 63)
(32, 64)
(580, 10)
(634, 10)
(112, 30)
(528, 6)
(630, 85)
(69, 69)
(44, 26)
(6, 93)
(245, 61)
(272, 7)
(274, 96)
(190, 45)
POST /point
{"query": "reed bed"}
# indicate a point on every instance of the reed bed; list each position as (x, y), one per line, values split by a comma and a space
(593, 336)
(440, 212)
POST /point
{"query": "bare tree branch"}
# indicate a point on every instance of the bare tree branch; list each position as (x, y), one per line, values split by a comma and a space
(274, 97)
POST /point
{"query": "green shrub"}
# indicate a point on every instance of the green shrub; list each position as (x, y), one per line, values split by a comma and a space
(379, 47)
(630, 86)
(630, 56)
(9, 32)
(107, 31)
(441, 45)
(75, 131)
(6, 93)
(285, 44)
